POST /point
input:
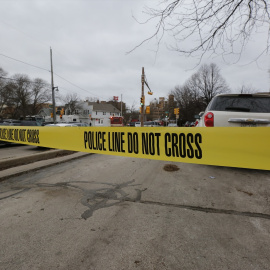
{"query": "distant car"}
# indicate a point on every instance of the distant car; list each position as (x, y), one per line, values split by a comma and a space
(237, 110)
(29, 123)
(198, 118)
(172, 125)
(137, 124)
(61, 125)
(187, 124)
(132, 124)
(11, 122)
(151, 124)
(78, 124)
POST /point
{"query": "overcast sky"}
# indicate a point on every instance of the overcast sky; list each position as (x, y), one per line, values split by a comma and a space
(90, 40)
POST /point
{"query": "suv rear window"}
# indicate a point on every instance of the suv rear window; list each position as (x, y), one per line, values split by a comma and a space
(241, 104)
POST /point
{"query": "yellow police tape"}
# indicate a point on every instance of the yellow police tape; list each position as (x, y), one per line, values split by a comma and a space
(244, 147)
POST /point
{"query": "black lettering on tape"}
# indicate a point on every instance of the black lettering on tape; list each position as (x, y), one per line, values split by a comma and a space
(198, 140)
(182, 145)
(175, 145)
(3, 133)
(190, 151)
(116, 141)
(94, 140)
(33, 136)
(167, 139)
(133, 141)
(150, 143)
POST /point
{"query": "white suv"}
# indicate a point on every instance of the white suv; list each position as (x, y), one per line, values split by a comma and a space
(237, 110)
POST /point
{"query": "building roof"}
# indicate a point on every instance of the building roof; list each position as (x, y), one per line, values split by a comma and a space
(102, 107)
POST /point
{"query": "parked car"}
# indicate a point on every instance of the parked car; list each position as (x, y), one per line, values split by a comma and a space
(29, 123)
(237, 110)
(137, 124)
(11, 122)
(198, 118)
(187, 124)
(151, 124)
(78, 124)
(131, 124)
(60, 125)
(172, 125)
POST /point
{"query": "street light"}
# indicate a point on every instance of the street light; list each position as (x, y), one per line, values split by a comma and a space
(53, 100)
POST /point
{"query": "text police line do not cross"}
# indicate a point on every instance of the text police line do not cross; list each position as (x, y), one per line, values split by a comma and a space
(145, 143)
(220, 146)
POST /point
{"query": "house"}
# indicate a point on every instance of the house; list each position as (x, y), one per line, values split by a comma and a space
(100, 113)
(91, 113)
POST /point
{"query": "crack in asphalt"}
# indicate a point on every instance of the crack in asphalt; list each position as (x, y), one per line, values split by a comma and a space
(13, 194)
(211, 210)
(113, 194)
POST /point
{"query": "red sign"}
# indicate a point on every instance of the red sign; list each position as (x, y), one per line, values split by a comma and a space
(115, 98)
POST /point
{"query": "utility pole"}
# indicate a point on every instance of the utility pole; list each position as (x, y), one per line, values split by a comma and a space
(53, 96)
(121, 106)
(142, 98)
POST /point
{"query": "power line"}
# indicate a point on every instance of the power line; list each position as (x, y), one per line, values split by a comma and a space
(33, 38)
(50, 71)
(75, 85)
(24, 62)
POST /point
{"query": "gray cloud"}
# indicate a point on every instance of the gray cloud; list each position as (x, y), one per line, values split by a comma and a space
(90, 40)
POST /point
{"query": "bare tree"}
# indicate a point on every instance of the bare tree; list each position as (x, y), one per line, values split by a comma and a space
(72, 103)
(40, 94)
(216, 26)
(188, 101)
(131, 113)
(246, 89)
(91, 99)
(207, 82)
(198, 91)
(21, 95)
(5, 94)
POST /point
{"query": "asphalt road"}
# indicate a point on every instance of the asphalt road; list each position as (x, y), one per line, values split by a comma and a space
(107, 212)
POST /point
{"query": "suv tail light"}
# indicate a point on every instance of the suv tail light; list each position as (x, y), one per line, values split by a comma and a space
(209, 119)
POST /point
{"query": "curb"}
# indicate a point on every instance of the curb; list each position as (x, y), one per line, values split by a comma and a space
(9, 163)
(38, 161)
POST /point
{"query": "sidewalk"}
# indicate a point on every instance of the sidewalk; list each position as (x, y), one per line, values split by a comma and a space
(25, 164)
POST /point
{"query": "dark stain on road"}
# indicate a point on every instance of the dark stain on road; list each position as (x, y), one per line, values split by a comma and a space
(246, 192)
(94, 199)
(106, 197)
(113, 194)
(171, 168)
